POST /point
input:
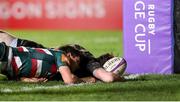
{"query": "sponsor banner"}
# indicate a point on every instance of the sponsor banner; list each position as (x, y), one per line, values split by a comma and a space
(61, 14)
(148, 46)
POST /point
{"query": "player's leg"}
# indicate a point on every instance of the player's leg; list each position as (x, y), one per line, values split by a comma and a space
(29, 43)
(8, 39)
(13, 41)
(4, 50)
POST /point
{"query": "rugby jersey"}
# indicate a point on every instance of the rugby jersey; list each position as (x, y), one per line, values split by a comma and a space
(33, 62)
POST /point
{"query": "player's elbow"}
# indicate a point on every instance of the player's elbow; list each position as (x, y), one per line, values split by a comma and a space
(72, 80)
(69, 82)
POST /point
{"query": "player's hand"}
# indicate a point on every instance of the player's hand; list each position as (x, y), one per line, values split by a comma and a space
(117, 77)
(89, 79)
(33, 80)
(40, 79)
(77, 80)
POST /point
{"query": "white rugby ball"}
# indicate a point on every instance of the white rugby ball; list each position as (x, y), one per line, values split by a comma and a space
(116, 65)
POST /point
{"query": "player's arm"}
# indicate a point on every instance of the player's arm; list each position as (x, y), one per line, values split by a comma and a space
(95, 68)
(105, 76)
(67, 76)
(33, 80)
(64, 69)
(70, 78)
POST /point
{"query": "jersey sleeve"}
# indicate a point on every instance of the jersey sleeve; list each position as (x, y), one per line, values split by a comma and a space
(92, 65)
(60, 59)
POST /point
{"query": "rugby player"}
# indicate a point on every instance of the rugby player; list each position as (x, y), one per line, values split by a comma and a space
(86, 65)
(22, 63)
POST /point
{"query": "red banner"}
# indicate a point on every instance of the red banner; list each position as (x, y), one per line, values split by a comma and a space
(61, 14)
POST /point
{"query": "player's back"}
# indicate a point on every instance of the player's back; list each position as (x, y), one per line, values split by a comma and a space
(33, 62)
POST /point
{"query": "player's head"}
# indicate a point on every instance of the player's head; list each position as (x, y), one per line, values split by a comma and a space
(74, 61)
(76, 50)
(83, 54)
(73, 55)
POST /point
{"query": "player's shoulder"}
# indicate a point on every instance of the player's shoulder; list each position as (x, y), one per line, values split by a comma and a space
(58, 54)
(56, 51)
(61, 58)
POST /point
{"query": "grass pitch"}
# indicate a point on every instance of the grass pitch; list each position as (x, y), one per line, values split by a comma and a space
(148, 87)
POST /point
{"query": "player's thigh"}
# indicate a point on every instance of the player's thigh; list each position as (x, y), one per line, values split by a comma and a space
(6, 37)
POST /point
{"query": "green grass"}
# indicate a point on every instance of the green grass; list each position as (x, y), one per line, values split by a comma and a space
(149, 87)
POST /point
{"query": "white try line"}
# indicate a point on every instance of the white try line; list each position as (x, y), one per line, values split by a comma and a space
(27, 89)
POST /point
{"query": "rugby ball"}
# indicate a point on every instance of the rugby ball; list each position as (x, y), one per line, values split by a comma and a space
(116, 65)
